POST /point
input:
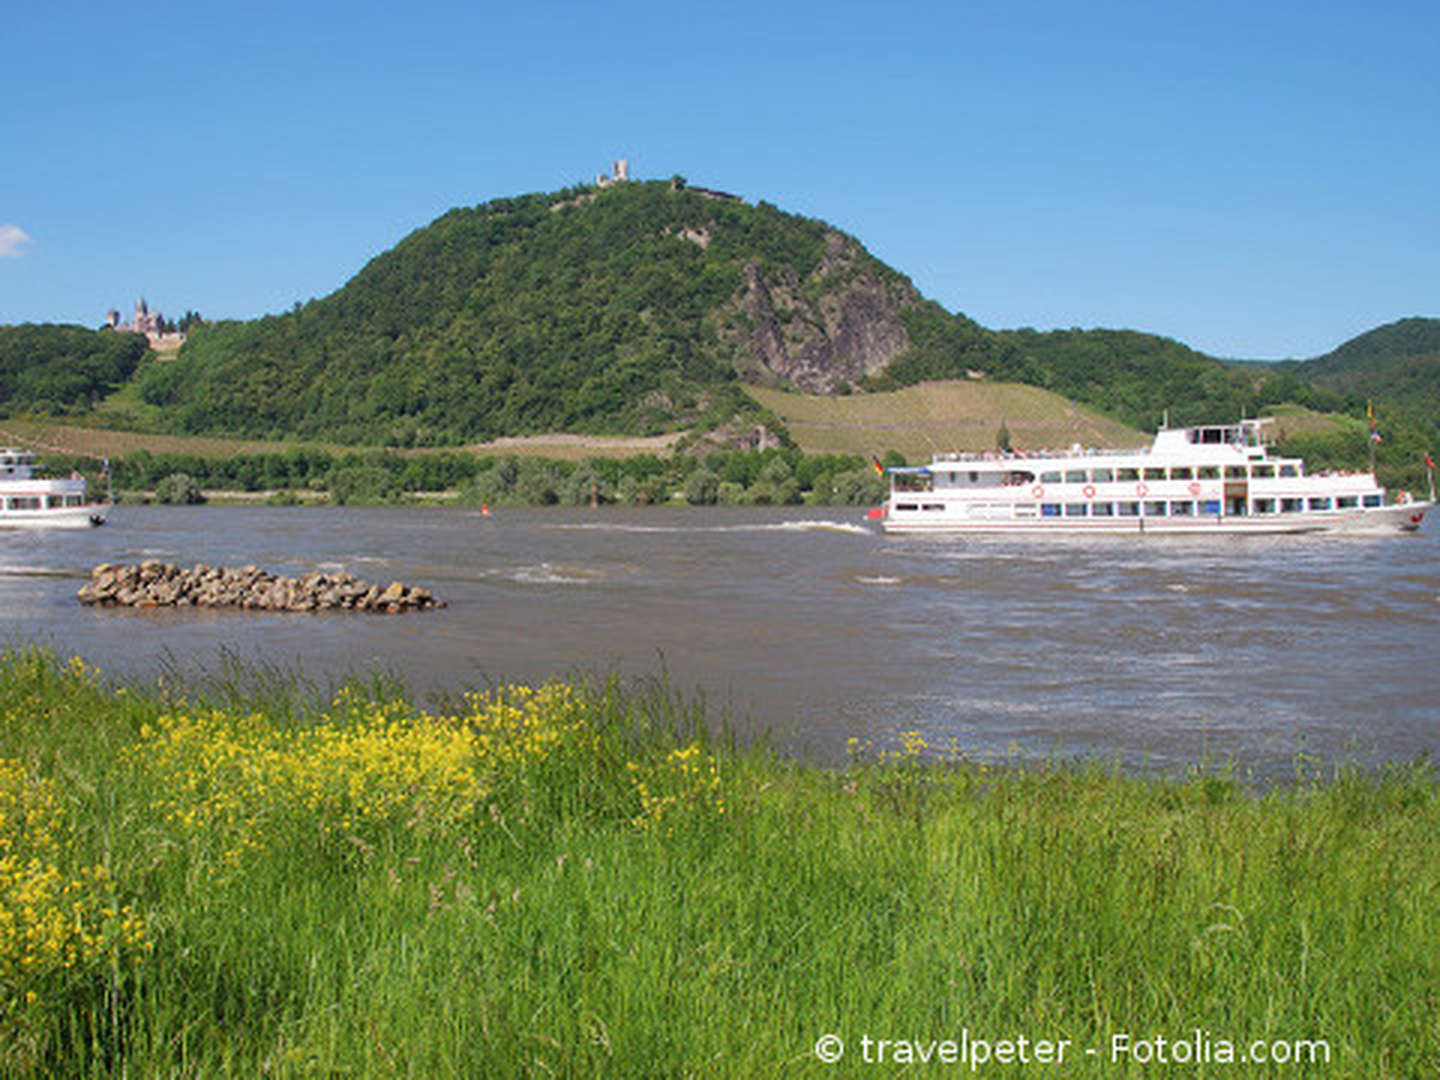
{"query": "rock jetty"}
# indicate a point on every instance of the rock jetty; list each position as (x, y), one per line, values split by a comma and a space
(154, 584)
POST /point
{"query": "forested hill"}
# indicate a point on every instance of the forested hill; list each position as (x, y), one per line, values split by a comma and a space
(1377, 350)
(639, 308)
(636, 308)
(1396, 365)
(62, 370)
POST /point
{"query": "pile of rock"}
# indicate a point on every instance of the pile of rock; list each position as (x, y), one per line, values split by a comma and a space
(154, 584)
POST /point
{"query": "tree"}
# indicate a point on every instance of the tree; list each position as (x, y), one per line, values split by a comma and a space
(702, 488)
(179, 489)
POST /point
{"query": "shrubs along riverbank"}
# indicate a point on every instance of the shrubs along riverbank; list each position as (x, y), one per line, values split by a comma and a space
(767, 477)
(245, 880)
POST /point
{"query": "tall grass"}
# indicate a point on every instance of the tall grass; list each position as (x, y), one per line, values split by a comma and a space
(576, 881)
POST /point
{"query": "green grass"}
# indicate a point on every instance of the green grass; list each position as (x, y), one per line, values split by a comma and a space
(941, 416)
(565, 922)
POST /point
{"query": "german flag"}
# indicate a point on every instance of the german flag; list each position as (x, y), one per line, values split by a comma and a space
(880, 469)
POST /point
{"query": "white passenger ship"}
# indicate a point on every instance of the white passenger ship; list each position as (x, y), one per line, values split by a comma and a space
(1191, 480)
(28, 500)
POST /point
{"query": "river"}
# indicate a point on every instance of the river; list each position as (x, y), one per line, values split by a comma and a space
(1158, 651)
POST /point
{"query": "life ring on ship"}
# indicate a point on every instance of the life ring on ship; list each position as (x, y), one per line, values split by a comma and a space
(1404, 499)
(1038, 491)
(1142, 490)
(1089, 490)
(1194, 488)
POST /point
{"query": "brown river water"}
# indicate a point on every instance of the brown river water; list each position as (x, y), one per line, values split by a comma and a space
(1162, 652)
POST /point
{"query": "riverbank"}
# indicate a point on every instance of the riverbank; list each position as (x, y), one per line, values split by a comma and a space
(580, 881)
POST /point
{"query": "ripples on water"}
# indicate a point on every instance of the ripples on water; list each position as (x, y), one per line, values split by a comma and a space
(1166, 650)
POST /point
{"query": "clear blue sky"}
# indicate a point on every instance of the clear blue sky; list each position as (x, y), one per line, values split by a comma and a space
(1257, 179)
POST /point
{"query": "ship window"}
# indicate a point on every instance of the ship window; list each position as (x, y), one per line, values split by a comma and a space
(1049, 478)
(1128, 509)
(1234, 472)
(1212, 506)
(1125, 475)
(1208, 472)
(74, 500)
(1288, 470)
(1182, 472)
(1262, 472)
(1155, 509)
(1024, 510)
(1154, 474)
(1321, 502)
(1290, 506)
(1075, 476)
(23, 502)
(1373, 500)
(1050, 509)
(907, 506)
(913, 481)
(1182, 508)
(933, 506)
(1347, 502)
(1264, 506)
(1102, 510)
(1076, 509)
(1102, 476)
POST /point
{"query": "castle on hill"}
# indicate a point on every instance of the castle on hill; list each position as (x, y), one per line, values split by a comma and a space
(151, 324)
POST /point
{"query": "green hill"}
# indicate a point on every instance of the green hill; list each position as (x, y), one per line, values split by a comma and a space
(634, 309)
(1380, 350)
(60, 370)
(1397, 367)
(640, 310)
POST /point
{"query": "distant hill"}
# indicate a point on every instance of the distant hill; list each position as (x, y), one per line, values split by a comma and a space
(1396, 366)
(1378, 350)
(61, 370)
(635, 309)
(642, 309)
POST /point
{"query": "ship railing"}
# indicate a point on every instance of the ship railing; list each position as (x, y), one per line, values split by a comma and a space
(1044, 454)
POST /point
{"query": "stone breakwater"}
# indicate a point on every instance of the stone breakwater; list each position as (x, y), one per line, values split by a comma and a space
(154, 584)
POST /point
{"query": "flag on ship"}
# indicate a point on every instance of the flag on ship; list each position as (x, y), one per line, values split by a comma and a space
(876, 462)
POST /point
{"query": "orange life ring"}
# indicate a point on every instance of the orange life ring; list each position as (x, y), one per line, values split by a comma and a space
(1089, 490)
(1142, 490)
(1195, 488)
(1038, 491)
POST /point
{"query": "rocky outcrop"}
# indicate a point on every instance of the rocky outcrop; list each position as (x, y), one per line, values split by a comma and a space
(826, 331)
(153, 584)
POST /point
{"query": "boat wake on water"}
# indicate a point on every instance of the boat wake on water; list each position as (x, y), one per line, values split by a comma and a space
(759, 526)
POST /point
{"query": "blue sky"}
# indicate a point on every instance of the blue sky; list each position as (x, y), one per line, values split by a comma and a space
(1257, 179)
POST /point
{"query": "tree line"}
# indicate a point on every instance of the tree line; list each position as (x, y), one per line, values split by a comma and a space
(767, 477)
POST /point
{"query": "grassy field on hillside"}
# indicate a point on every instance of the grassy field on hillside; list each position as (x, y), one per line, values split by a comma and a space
(104, 442)
(941, 416)
(247, 879)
